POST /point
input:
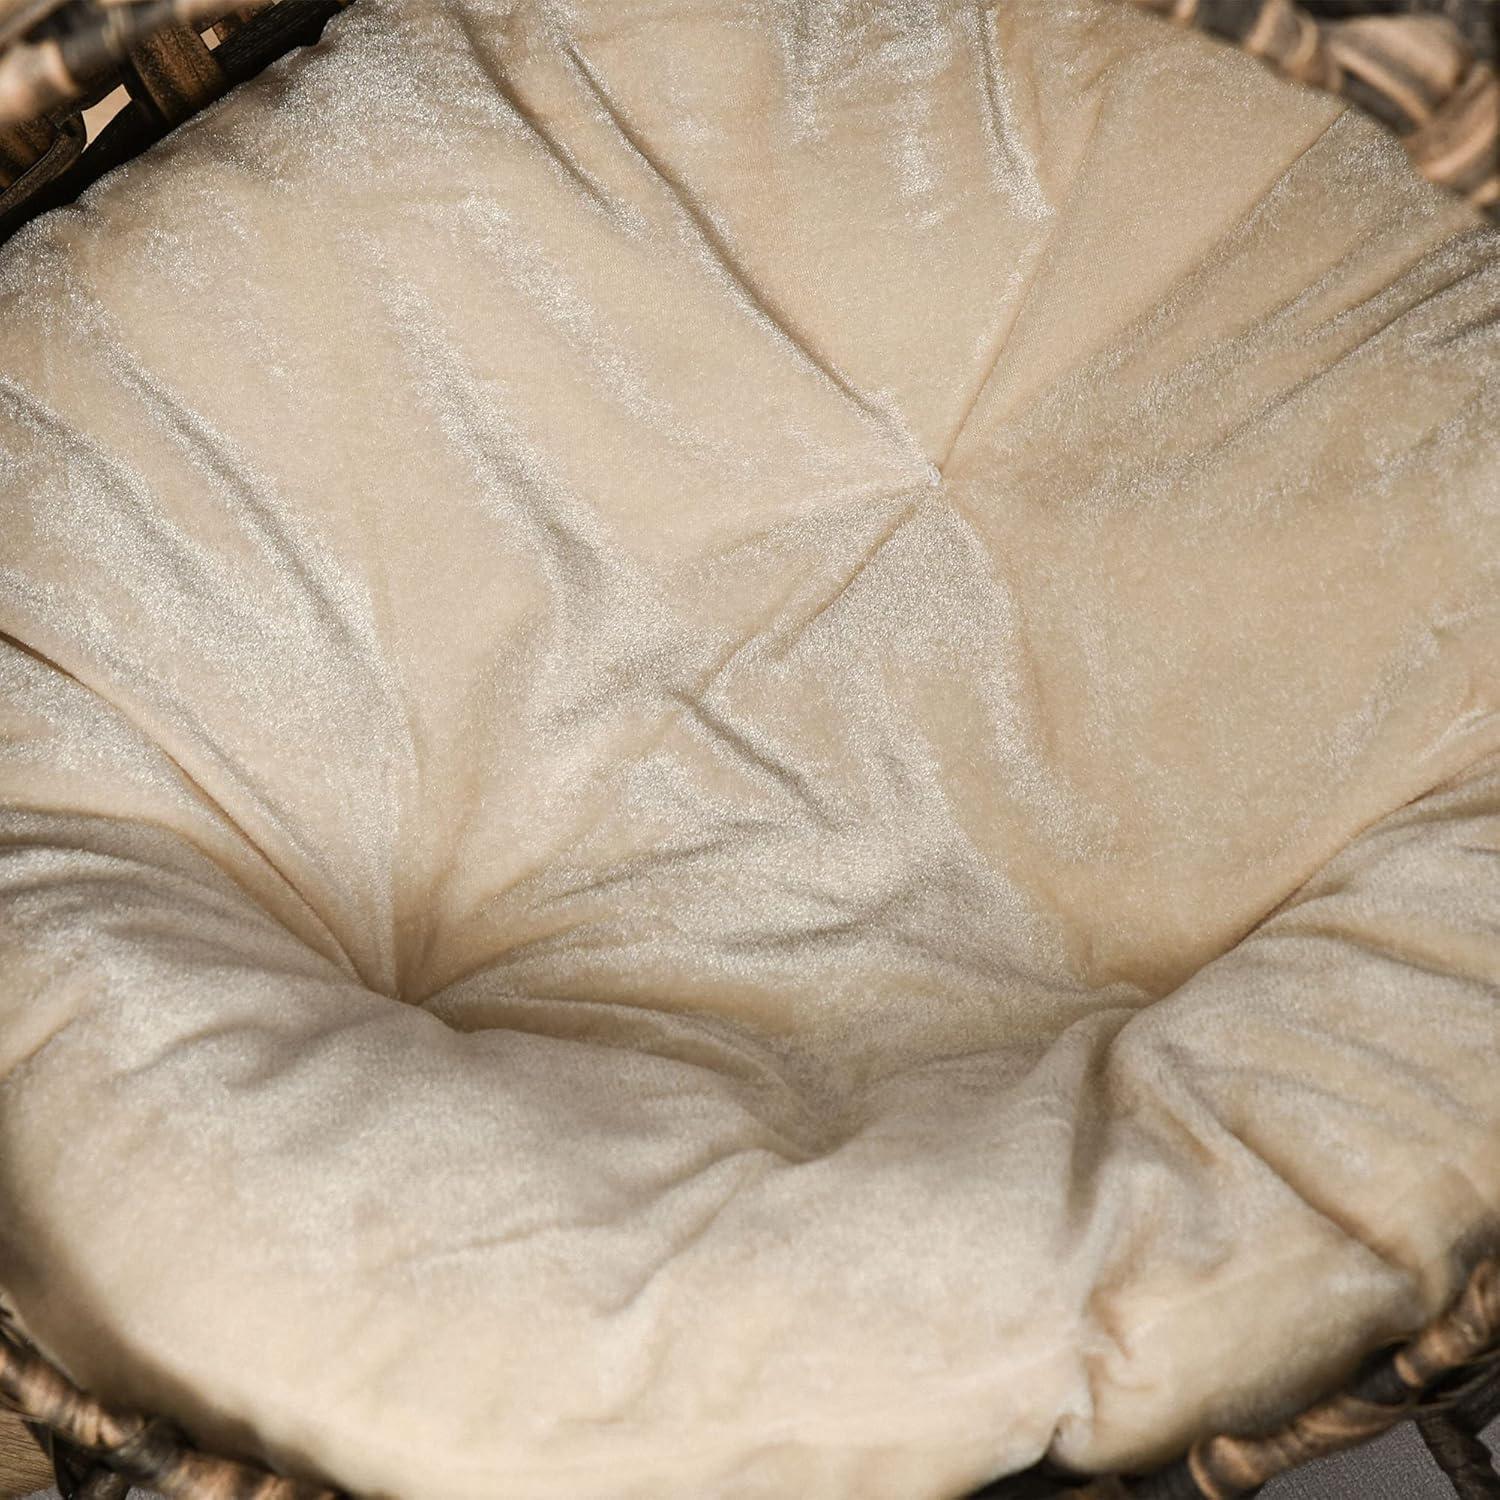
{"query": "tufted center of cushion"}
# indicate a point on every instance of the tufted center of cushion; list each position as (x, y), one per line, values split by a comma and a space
(859, 775)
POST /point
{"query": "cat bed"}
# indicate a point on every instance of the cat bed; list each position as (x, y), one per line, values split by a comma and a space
(747, 751)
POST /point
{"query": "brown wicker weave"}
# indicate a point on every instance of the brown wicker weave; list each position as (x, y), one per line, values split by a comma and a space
(99, 1451)
(165, 59)
(1426, 68)
(1447, 1378)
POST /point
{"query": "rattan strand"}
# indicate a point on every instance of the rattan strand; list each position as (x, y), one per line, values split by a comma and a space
(154, 55)
(1425, 70)
(1447, 1377)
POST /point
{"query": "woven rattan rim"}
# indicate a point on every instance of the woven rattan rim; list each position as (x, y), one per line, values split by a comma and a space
(1424, 68)
(1446, 1378)
(160, 60)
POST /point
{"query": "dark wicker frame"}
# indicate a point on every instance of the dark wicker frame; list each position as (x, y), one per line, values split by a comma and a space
(83, 51)
(1425, 68)
(1446, 1379)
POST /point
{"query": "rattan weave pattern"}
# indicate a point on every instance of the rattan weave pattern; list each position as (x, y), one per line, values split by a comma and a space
(167, 58)
(1424, 68)
(1447, 1378)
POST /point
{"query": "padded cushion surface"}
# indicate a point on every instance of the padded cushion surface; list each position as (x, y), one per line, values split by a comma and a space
(746, 750)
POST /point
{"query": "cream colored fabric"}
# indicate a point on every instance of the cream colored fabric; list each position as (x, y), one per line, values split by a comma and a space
(748, 750)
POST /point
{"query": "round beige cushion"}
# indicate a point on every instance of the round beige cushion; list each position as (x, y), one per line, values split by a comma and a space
(746, 750)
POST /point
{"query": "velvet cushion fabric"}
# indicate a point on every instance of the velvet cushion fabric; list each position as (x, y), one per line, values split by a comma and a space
(746, 750)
